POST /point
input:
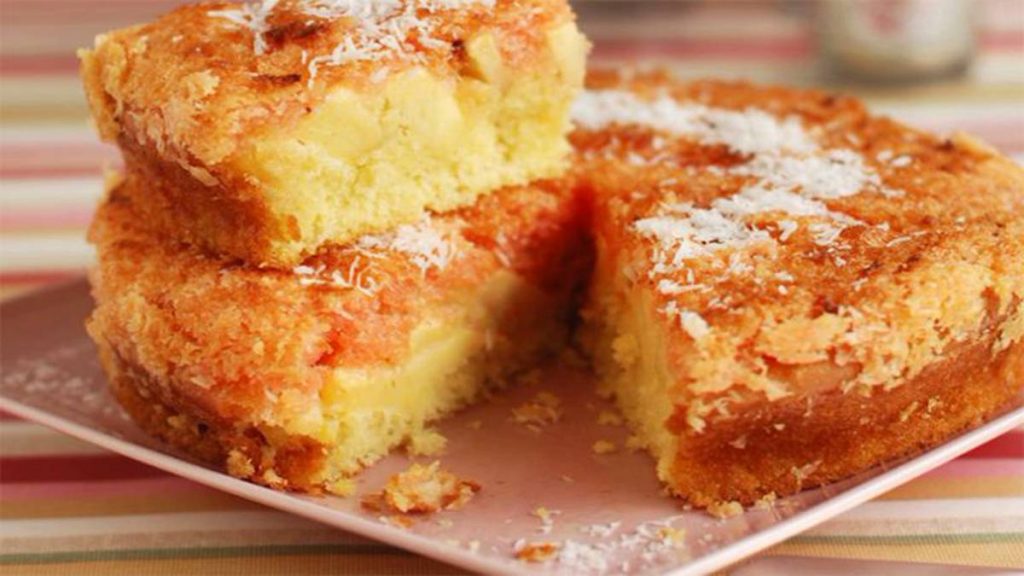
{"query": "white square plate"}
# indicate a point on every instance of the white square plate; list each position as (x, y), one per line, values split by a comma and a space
(607, 511)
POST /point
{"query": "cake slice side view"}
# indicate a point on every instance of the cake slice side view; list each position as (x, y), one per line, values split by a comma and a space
(297, 379)
(266, 130)
(789, 291)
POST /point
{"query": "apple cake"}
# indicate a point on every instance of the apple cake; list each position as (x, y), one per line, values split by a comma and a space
(298, 378)
(781, 290)
(788, 290)
(265, 130)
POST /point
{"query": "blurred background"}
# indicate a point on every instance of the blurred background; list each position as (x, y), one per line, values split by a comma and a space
(939, 64)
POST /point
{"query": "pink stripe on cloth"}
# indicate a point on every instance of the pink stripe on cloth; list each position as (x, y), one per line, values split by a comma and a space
(73, 468)
(8, 417)
(88, 169)
(164, 485)
(974, 467)
(1002, 40)
(56, 159)
(17, 220)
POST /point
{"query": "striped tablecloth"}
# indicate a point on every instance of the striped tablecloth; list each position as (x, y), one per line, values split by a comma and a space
(67, 507)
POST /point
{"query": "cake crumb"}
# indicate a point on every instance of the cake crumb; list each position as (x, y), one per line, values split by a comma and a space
(273, 479)
(545, 408)
(634, 443)
(625, 350)
(398, 521)
(341, 487)
(803, 472)
(536, 551)
(474, 425)
(567, 479)
(239, 465)
(609, 418)
(426, 443)
(671, 536)
(547, 520)
(766, 502)
(422, 490)
(604, 447)
(908, 411)
(724, 510)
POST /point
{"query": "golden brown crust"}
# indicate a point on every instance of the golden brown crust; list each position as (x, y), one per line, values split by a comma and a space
(957, 214)
(244, 451)
(804, 442)
(914, 295)
(176, 205)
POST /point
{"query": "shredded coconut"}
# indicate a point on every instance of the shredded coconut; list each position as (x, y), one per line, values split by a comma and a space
(381, 28)
(252, 16)
(694, 324)
(423, 243)
(786, 171)
(749, 131)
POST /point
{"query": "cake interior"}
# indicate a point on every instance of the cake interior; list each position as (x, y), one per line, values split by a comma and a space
(369, 158)
(474, 344)
(627, 346)
(507, 326)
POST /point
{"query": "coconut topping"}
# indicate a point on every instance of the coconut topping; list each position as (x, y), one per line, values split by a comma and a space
(380, 28)
(422, 242)
(785, 172)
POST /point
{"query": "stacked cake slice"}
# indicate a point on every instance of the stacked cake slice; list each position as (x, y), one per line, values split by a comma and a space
(343, 219)
(266, 130)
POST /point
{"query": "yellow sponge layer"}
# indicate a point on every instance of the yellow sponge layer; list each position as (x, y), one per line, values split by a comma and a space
(366, 161)
(367, 412)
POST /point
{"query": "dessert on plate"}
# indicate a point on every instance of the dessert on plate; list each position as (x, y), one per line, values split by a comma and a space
(788, 290)
(298, 378)
(265, 130)
(342, 220)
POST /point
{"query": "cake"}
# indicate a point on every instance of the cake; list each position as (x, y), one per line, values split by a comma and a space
(789, 291)
(297, 379)
(267, 130)
(781, 290)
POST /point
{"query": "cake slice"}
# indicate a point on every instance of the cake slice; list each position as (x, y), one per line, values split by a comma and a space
(266, 130)
(788, 290)
(298, 378)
